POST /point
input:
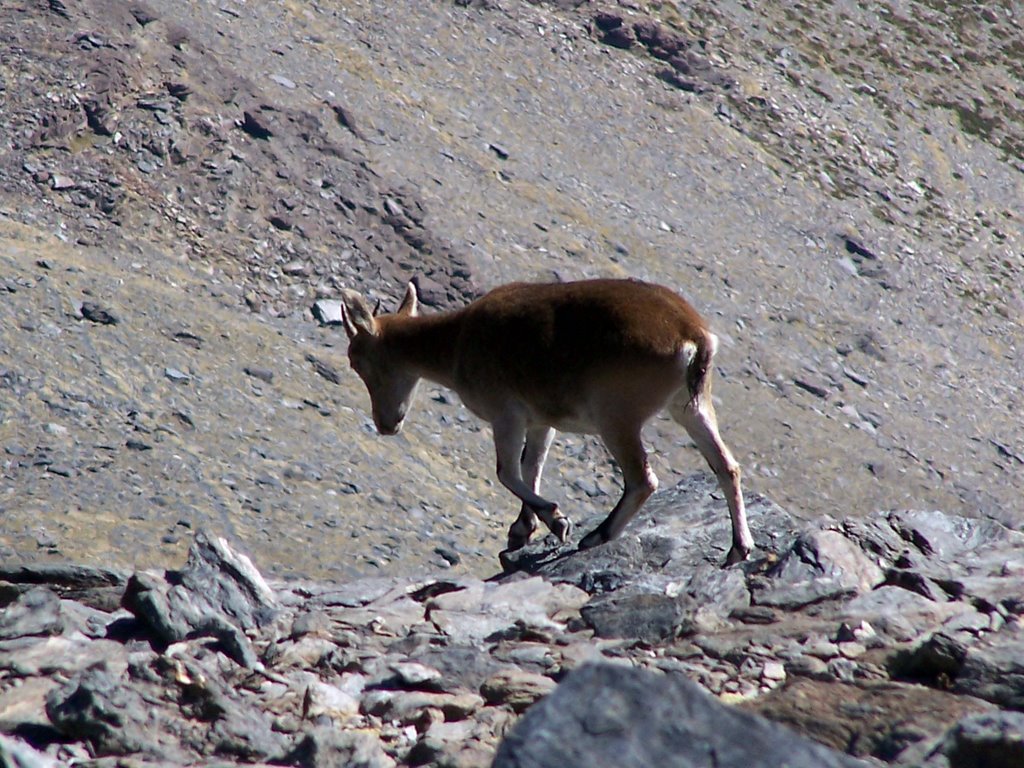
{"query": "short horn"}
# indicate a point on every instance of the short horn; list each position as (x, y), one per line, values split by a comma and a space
(410, 302)
(346, 319)
(356, 314)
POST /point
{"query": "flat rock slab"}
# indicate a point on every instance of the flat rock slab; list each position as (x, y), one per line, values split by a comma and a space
(678, 529)
(881, 720)
(820, 565)
(484, 610)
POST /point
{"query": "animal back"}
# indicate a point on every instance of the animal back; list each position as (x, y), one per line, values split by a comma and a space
(565, 331)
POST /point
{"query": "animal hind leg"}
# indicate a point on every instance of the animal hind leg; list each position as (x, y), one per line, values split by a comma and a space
(697, 416)
(626, 447)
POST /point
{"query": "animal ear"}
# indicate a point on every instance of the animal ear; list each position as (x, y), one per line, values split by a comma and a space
(410, 305)
(356, 314)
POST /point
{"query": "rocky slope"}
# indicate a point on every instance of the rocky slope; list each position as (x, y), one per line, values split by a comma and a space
(835, 185)
(892, 640)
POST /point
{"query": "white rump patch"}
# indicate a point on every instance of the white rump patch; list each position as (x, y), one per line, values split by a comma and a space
(687, 353)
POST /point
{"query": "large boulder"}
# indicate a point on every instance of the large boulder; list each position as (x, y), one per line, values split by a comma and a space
(612, 716)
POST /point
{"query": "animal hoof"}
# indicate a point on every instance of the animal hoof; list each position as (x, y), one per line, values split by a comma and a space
(736, 555)
(507, 564)
(561, 527)
(592, 539)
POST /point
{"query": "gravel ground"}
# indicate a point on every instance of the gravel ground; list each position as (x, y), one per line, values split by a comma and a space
(836, 188)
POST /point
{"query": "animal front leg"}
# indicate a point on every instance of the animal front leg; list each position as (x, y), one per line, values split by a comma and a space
(535, 452)
(517, 449)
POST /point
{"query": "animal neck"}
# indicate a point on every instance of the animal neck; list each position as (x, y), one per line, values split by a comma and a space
(424, 344)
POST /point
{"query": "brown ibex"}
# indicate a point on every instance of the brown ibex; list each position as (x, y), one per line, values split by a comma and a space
(597, 357)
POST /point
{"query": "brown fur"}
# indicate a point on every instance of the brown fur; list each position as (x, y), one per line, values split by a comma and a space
(595, 356)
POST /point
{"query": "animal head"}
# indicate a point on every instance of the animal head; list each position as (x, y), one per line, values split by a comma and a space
(391, 387)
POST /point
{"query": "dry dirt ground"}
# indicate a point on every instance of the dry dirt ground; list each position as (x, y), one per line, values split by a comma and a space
(837, 186)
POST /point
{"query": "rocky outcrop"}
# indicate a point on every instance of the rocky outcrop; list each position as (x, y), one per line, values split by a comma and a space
(897, 637)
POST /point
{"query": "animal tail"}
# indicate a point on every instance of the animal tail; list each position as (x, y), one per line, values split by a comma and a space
(699, 369)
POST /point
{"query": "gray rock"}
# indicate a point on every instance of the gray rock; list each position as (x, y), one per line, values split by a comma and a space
(219, 593)
(59, 181)
(663, 576)
(391, 615)
(333, 701)
(100, 709)
(821, 565)
(23, 706)
(327, 311)
(987, 740)
(443, 739)
(944, 537)
(609, 715)
(15, 753)
(411, 676)
(327, 747)
(813, 384)
(244, 731)
(998, 590)
(64, 656)
(314, 622)
(350, 594)
(36, 612)
(326, 370)
(639, 614)
(939, 656)
(96, 313)
(993, 668)
(463, 667)
(900, 614)
(939, 546)
(263, 374)
(283, 81)
(516, 689)
(143, 13)
(66, 576)
(483, 610)
(408, 707)
(679, 529)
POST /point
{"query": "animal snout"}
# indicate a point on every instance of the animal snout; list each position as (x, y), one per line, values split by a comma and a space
(389, 426)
